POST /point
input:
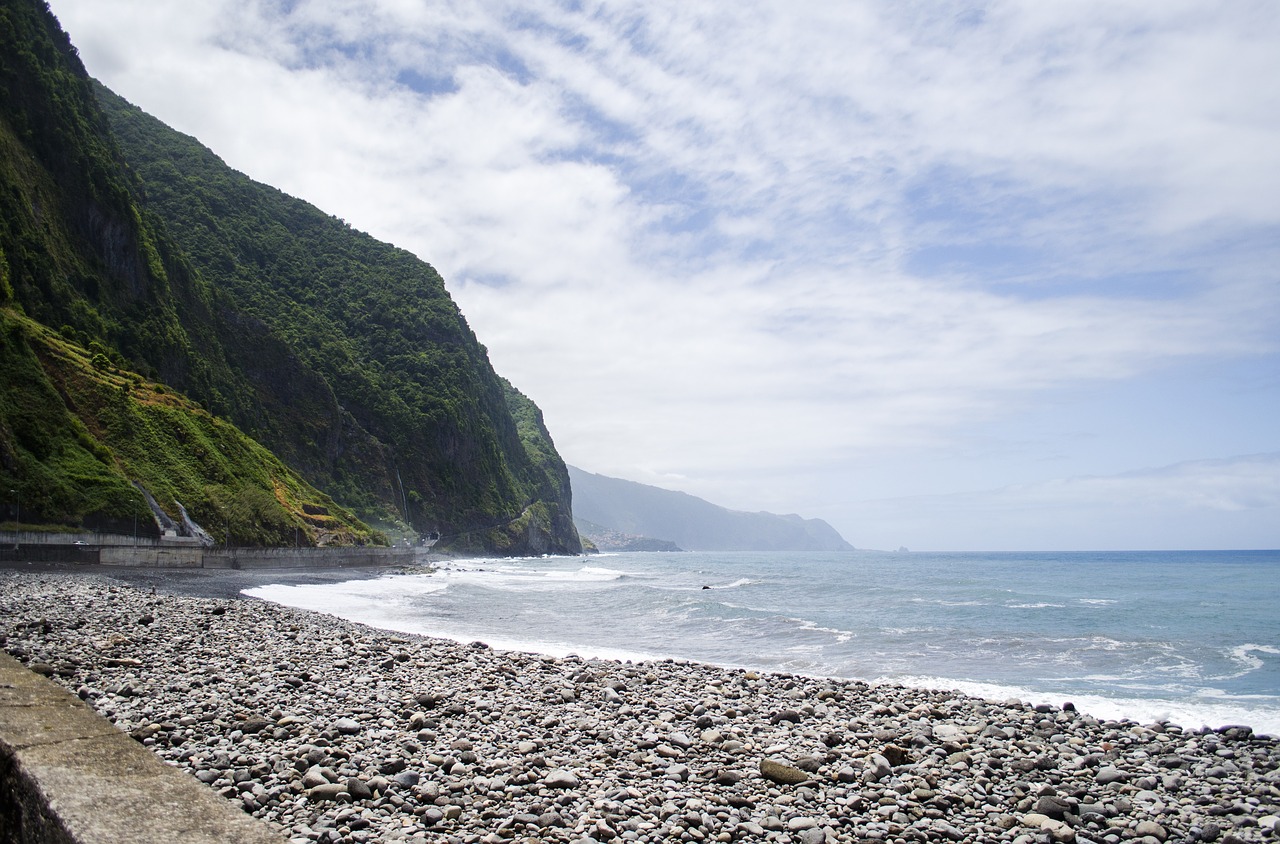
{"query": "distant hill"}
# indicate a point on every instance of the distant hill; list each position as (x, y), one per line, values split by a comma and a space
(638, 510)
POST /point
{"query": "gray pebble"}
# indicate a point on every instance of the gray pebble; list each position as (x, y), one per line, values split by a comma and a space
(300, 725)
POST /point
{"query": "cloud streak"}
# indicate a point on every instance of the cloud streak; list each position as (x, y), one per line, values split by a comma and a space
(716, 238)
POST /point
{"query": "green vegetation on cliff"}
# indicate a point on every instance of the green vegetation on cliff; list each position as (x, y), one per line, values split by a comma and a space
(79, 431)
(437, 442)
(97, 309)
(157, 303)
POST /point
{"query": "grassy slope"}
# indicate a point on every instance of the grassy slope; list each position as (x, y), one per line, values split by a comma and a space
(78, 420)
(81, 430)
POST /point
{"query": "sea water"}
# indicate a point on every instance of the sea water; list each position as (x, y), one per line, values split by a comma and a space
(1187, 637)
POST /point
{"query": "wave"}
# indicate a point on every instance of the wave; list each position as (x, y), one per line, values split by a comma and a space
(322, 597)
(1243, 655)
(386, 603)
(594, 573)
(1037, 606)
(515, 578)
(1210, 708)
(813, 627)
(945, 603)
(698, 586)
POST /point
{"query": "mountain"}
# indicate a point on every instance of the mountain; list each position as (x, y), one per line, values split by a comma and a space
(637, 510)
(171, 323)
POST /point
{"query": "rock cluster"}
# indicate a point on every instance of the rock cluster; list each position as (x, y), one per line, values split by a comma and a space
(338, 732)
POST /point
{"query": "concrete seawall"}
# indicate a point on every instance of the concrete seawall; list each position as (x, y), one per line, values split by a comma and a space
(188, 556)
(68, 776)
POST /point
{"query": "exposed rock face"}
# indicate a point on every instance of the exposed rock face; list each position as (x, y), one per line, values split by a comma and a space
(169, 321)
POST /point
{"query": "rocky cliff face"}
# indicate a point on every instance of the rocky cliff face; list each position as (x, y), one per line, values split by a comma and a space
(429, 435)
(174, 276)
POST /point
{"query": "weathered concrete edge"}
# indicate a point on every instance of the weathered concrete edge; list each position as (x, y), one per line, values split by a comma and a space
(68, 776)
(187, 557)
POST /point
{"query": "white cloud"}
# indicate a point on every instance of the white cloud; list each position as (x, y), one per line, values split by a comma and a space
(706, 237)
(1178, 506)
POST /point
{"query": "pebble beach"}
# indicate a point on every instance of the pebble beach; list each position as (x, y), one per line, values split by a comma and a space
(337, 732)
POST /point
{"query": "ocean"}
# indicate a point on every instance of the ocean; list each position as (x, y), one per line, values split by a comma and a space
(1188, 637)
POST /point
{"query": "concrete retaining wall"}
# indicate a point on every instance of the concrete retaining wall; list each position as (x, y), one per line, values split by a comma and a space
(184, 555)
(68, 776)
(38, 537)
(280, 558)
(153, 557)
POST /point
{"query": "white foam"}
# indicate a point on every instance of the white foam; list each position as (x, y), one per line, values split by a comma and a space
(945, 603)
(560, 650)
(529, 578)
(387, 603)
(806, 624)
(1243, 656)
(325, 597)
(1208, 708)
(589, 573)
(372, 602)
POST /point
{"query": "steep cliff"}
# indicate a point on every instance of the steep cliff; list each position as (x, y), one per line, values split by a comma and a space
(343, 356)
(99, 317)
(424, 430)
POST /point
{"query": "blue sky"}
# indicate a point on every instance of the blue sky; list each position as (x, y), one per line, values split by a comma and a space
(950, 276)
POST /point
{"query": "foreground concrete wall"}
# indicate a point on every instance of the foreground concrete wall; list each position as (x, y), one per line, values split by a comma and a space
(68, 776)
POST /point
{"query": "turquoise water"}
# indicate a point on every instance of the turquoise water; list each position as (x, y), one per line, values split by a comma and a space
(1189, 637)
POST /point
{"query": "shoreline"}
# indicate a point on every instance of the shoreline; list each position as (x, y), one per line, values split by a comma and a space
(1189, 712)
(336, 731)
(230, 584)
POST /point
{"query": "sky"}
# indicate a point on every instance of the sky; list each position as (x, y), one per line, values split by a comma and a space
(950, 276)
